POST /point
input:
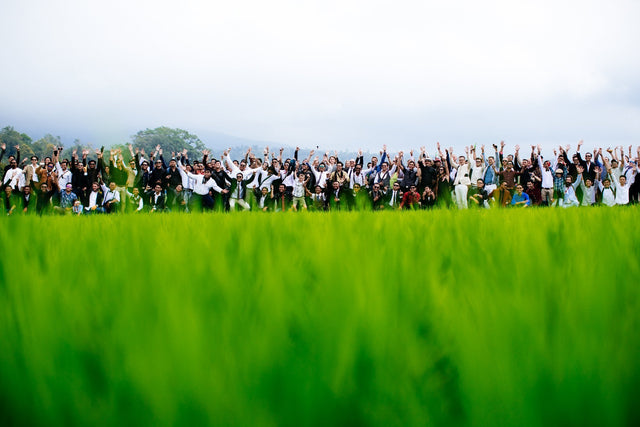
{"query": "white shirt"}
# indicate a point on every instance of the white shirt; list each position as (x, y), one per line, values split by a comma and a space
(462, 175)
(263, 199)
(608, 195)
(202, 185)
(14, 177)
(394, 197)
(267, 180)
(93, 197)
(321, 177)
(288, 180)
(622, 192)
(356, 179)
(110, 195)
(64, 177)
(188, 183)
(477, 172)
(298, 188)
(246, 173)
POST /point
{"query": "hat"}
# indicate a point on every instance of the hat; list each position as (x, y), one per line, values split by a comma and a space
(437, 159)
(559, 170)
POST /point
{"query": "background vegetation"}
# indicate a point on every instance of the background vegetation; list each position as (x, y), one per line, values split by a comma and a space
(413, 318)
(171, 140)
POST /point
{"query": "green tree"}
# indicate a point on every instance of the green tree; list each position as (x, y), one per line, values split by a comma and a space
(44, 146)
(12, 138)
(170, 140)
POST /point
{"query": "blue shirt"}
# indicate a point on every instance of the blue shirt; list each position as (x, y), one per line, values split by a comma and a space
(66, 200)
(520, 198)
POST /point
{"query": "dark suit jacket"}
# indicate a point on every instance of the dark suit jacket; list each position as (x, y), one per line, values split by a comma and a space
(160, 205)
(234, 186)
(31, 204)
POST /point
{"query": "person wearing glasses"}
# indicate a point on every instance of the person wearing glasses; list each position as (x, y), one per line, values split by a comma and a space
(32, 173)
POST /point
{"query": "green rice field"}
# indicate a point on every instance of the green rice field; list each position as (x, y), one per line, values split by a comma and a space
(483, 318)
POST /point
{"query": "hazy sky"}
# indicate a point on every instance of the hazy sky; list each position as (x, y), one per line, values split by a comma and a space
(331, 73)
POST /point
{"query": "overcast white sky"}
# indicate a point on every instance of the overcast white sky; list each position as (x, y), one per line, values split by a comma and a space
(343, 74)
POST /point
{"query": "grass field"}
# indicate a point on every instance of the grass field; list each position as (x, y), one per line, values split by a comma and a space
(441, 318)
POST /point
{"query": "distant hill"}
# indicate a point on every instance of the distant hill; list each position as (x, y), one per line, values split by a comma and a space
(218, 142)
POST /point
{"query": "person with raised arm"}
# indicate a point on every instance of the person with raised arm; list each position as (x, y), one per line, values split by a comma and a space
(203, 184)
(607, 191)
(238, 193)
(491, 177)
(587, 188)
(64, 174)
(14, 176)
(158, 173)
(111, 200)
(547, 170)
(298, 192)
(622, 185)
(461, 182)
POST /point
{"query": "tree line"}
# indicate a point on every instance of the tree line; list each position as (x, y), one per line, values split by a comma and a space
(171, 139)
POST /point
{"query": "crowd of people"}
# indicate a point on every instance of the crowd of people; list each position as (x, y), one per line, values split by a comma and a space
(80, 185)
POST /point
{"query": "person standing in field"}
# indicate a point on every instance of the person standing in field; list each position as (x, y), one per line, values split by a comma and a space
(31, 173)
(491, 177)
(14, 176)
(461, 182)
(318, 199)
(411, 175)
(623, 184)
(336, 197)
(201, 198)
(118, 175)
(508, 176)
(43, 198)
(608, 192)
(299, 187)
(394, 197)
(477, 171)
(238, 192)
(546, 176)
(281, 198)
(588, 190)
(443, 187)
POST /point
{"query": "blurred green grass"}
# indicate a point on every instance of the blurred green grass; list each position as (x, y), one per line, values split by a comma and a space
(413, 318)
